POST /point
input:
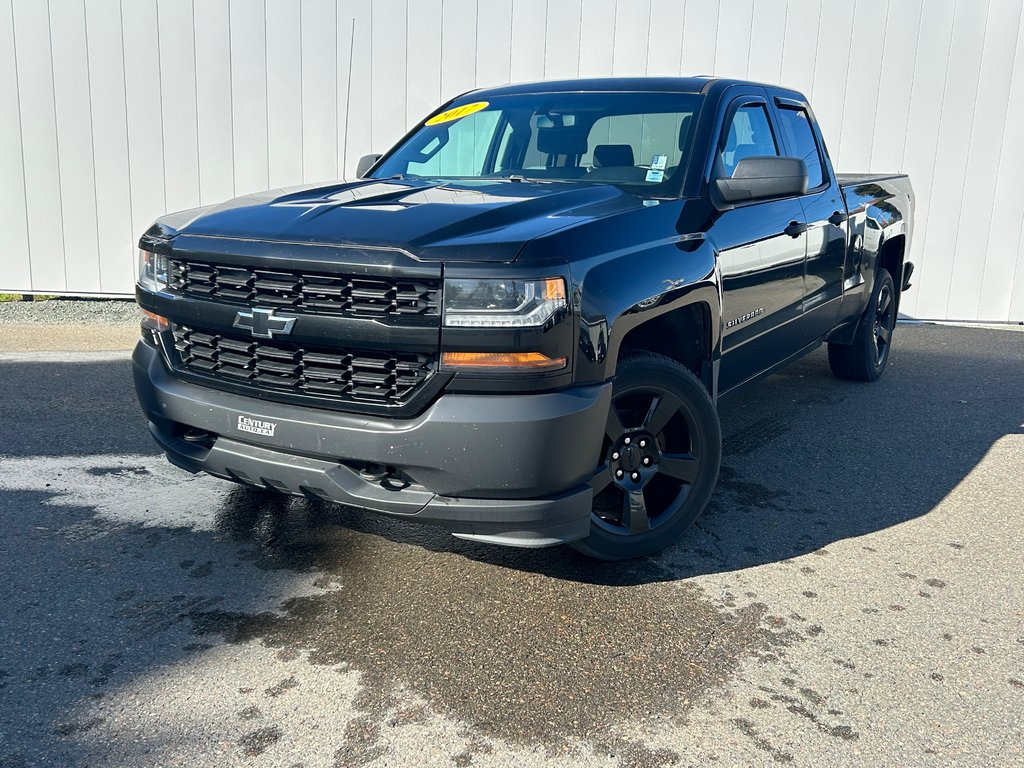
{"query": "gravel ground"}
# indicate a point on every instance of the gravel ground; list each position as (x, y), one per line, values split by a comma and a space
(70, 312)
(852, 596)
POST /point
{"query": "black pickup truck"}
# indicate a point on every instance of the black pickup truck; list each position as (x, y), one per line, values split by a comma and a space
(517, 322)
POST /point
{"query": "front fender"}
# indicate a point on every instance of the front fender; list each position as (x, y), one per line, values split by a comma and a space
(621, 292)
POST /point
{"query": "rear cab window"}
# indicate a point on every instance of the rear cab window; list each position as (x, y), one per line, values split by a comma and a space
(800, 139)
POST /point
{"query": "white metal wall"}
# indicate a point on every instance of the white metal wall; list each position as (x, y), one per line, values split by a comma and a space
(114, 111)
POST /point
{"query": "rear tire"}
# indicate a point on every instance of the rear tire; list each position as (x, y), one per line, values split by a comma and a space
(659, 460)
(865, 359)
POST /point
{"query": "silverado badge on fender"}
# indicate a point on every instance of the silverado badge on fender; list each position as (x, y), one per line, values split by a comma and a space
(264, 323)
(735, 320)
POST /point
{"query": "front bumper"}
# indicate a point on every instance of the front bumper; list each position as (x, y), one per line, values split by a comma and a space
(509, 469)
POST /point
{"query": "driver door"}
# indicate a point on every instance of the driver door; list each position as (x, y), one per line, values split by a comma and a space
(762, 249)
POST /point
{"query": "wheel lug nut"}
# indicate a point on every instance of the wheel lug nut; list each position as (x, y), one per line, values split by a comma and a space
(618, 474)
(647, 460)
(643, 443)
(635, 476)
(615, 456)
(626, 441)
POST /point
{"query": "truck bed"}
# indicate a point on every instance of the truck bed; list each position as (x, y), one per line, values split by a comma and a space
(848, 179)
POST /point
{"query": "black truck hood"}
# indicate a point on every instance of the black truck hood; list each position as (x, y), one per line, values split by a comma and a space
(465, 221)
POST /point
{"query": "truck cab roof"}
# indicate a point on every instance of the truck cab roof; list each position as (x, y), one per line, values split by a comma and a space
(691, 84)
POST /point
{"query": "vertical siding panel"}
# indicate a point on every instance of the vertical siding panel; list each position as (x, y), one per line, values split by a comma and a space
(16, 264)
(180, 120)
(213, 101)
(320, 90)
(833, 61)
(527, 43)
(249, 96)
(143, 106)
(767, 38)
(632, 33)
(991, 214)
(458, 46)
(665, 46)
(700, 36)
(110, 147)
(862, 84)
(74, 144)
(971, 256)
(562, 39)
(284, 92)
(597, 36)
(1017, 280)
(732, 44)
(39, 140)
(388, 61)
(896, 77)
(921, 139)
(423, 68)
(801, 44)
(355, 133)
(959, 100)
(494, 55)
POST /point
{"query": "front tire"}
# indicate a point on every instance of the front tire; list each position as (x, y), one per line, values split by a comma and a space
(866, 358)
(660, 459)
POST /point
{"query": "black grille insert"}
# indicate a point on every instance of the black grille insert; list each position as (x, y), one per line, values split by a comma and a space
(308, 291)
(383, 378)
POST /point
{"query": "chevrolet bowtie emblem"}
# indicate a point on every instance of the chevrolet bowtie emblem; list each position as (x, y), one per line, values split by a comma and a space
(263, 323)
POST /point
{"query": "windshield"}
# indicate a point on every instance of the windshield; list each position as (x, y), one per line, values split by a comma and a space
(634, 140)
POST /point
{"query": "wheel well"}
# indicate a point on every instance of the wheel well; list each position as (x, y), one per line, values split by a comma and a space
(683, 335)
(891, 259)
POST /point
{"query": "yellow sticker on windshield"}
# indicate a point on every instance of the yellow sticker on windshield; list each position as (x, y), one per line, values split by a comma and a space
(456, 113)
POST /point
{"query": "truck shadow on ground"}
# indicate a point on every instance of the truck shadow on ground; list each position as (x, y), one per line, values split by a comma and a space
(140, 575)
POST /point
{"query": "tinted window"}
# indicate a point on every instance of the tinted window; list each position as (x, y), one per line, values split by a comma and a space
(796, 125)
(749, 135)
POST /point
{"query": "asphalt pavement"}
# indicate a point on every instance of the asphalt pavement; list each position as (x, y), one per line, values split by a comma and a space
(852, 596)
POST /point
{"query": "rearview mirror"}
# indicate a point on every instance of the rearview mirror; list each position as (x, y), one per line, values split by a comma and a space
(757, 178)
(366, 162)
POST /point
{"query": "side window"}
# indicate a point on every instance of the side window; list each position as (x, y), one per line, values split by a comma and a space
(749, 135)
(796, 125)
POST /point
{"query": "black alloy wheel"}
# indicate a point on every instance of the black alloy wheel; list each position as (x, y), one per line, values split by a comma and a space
(865, 358)
(885, 319)
(659, 460)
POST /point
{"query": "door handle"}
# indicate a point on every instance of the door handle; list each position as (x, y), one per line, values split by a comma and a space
(838, 218)
(795, 228)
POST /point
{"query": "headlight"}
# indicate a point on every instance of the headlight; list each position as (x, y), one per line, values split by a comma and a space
(152, 271)
(503, 303)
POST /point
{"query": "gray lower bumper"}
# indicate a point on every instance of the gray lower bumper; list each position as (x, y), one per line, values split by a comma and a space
(511, 469)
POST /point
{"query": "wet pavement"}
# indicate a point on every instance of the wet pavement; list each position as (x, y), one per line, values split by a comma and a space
(853, 595)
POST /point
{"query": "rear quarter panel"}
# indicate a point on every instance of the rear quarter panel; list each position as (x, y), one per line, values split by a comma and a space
(881, 211)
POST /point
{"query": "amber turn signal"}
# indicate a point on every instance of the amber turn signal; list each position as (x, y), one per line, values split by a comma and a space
(534, 361)
(153, 321)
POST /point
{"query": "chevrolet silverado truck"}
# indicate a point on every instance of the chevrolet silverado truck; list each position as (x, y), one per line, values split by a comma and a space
(517, 323)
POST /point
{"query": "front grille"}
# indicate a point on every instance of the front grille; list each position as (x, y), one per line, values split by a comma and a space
(313, 292)
(382, 378)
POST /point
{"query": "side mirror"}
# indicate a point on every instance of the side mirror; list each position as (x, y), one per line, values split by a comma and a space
(366, 162)
(758, 178)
